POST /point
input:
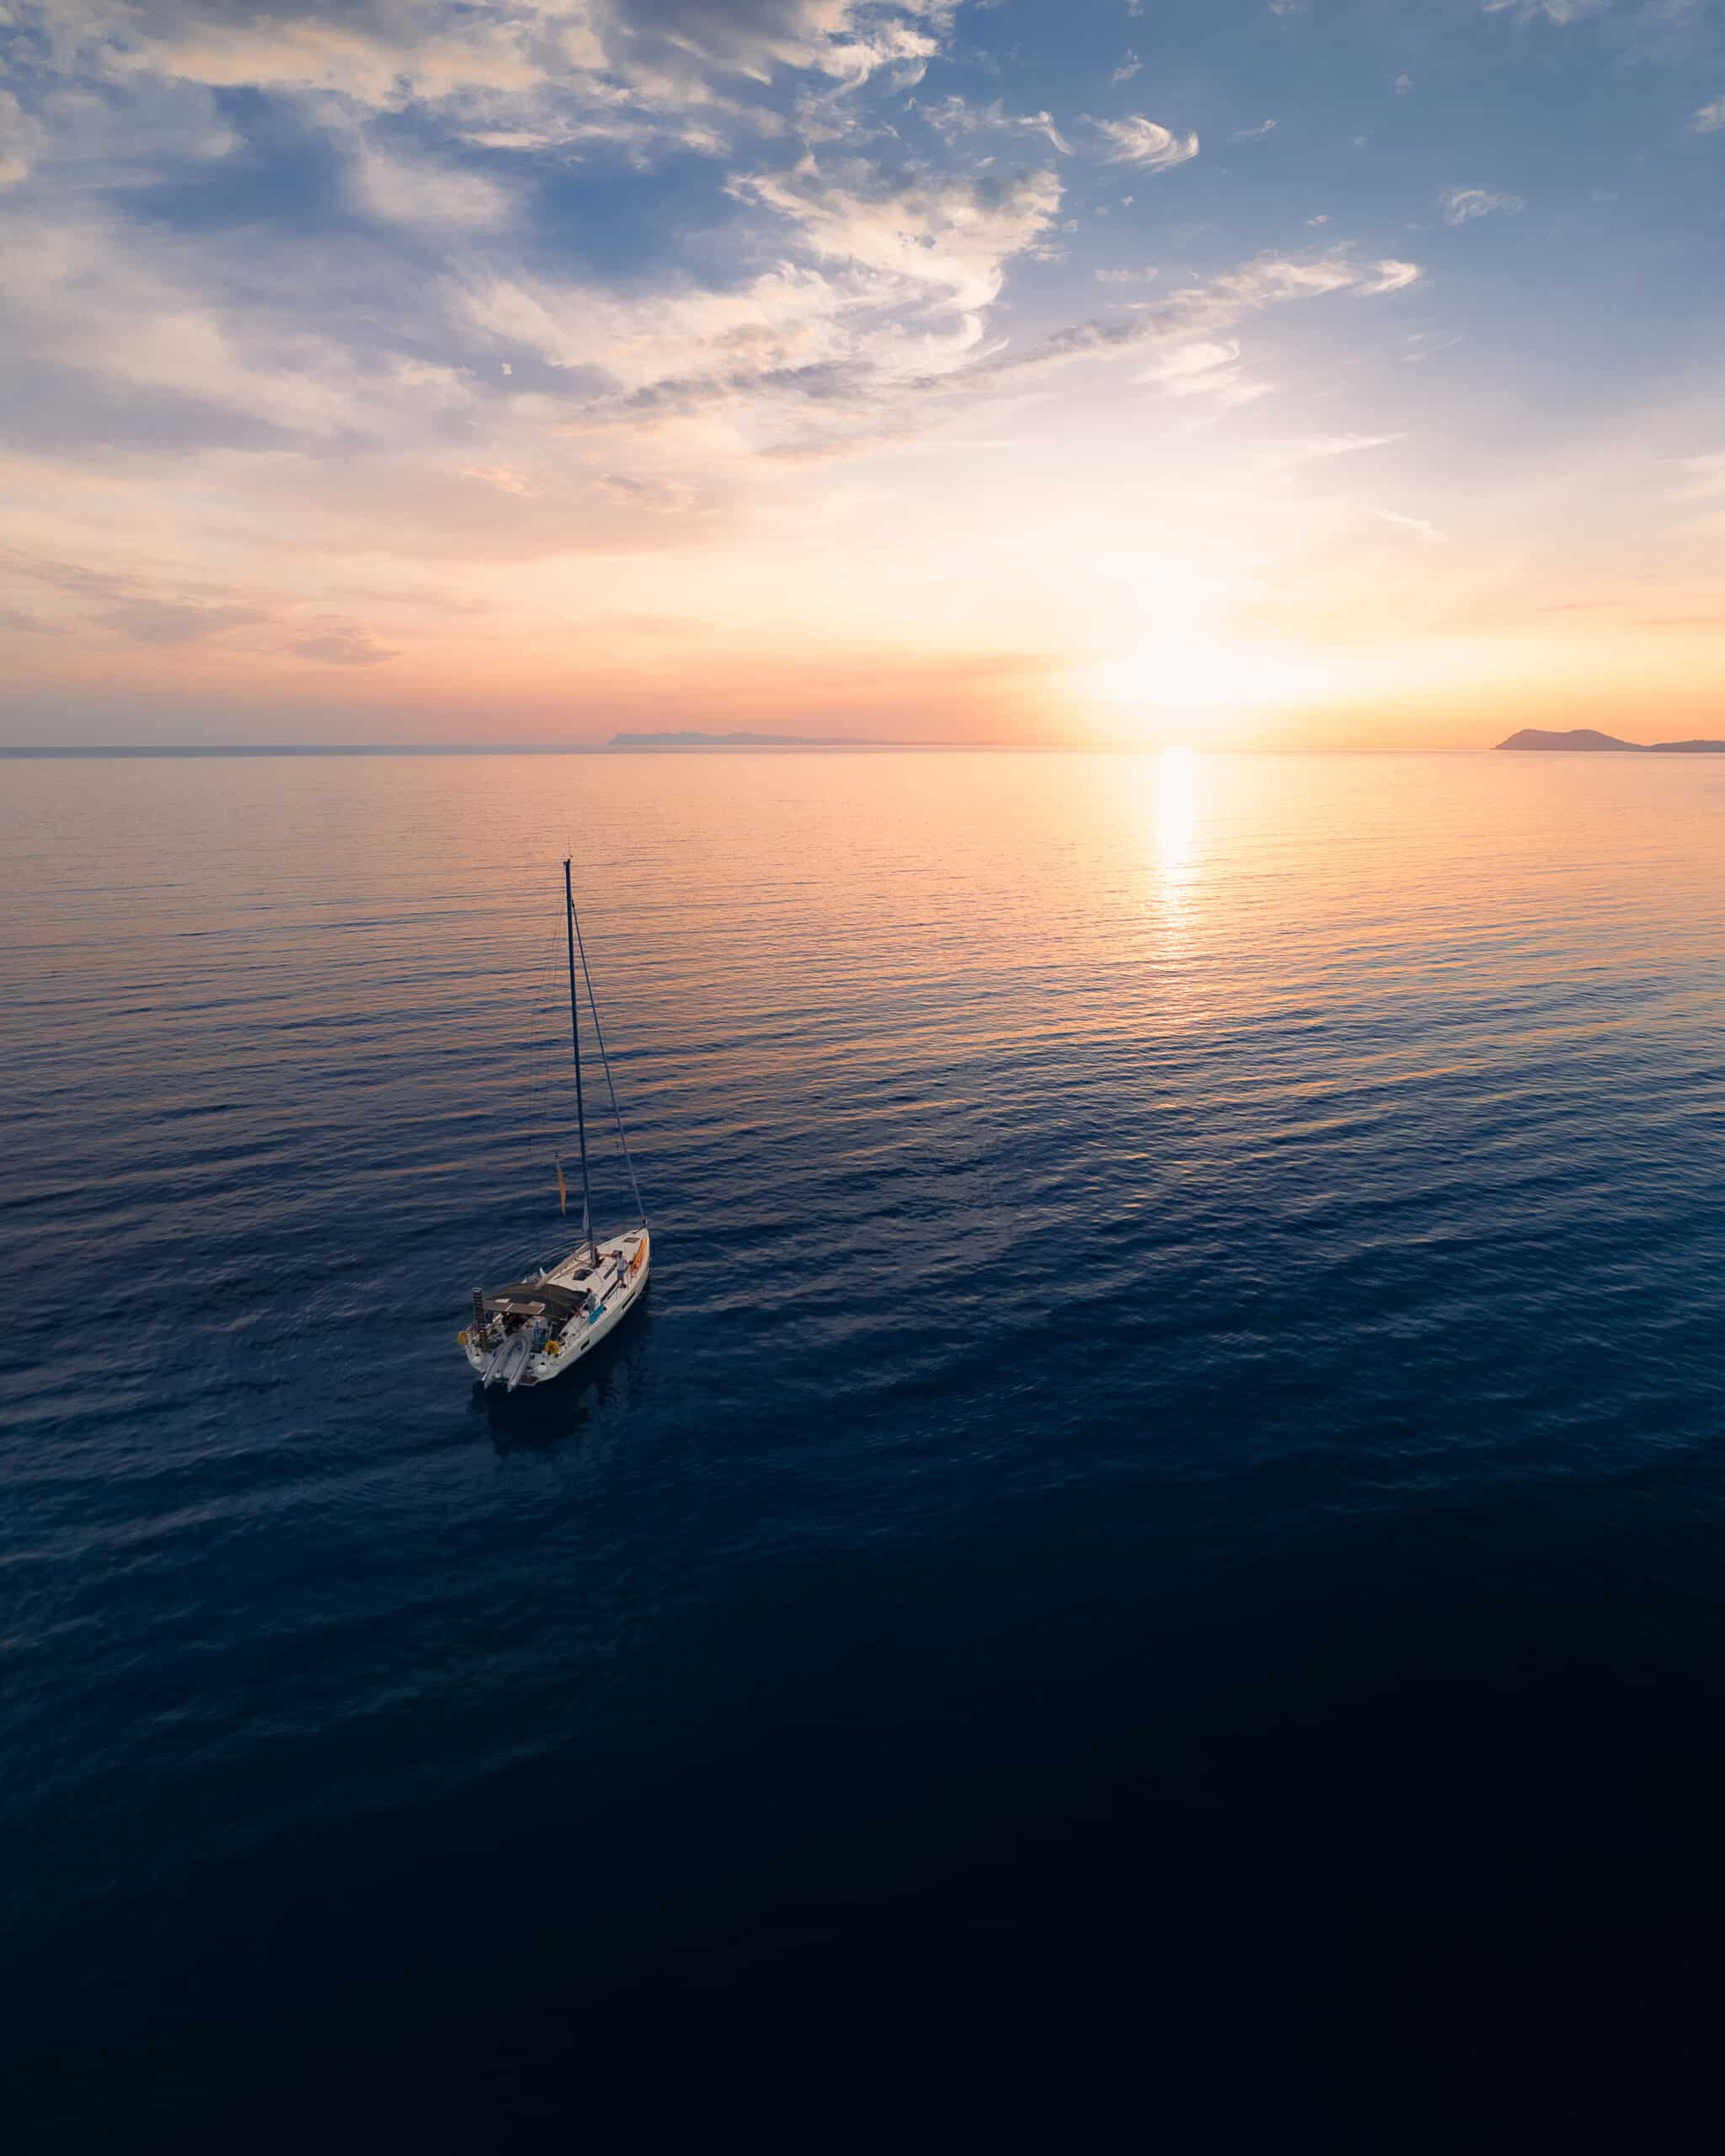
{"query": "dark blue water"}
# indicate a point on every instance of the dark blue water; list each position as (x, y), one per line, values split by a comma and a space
(1156, 1544)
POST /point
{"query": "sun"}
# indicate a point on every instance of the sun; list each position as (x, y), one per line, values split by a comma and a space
(1183, 678)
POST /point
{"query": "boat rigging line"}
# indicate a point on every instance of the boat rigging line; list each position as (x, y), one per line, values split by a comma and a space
(604, 1058)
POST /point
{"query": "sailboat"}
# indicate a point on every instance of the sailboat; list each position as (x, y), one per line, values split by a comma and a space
(531, 1331)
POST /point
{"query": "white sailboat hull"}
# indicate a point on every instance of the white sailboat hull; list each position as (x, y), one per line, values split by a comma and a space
(536, 1350)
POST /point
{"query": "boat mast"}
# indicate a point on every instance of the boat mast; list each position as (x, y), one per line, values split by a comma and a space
(568, 922)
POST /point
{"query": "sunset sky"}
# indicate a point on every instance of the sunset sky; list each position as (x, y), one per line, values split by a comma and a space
(1328, 372)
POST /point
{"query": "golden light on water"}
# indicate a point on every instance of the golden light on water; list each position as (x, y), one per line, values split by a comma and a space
(1176, 781)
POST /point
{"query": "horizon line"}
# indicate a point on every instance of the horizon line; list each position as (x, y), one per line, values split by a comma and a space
(33, 751)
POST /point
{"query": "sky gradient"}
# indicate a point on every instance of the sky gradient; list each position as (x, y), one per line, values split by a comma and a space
(1314, 373)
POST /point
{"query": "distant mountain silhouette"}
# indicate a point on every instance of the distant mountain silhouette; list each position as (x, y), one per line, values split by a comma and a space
(1588, 739)
(1577, 737)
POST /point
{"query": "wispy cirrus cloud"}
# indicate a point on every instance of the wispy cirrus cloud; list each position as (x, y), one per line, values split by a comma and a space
(956, 115)
(1206, 368)
(1709, 119)
(1462, 205)
(1197, 315)
(1145, 144)
(1553, 11)
(1306, 449)
(1418, 525)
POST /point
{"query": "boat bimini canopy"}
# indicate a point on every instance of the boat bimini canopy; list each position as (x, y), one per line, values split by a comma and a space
(534, 1298)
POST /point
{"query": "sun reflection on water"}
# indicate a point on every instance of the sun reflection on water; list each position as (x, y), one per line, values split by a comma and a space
(1176, 781)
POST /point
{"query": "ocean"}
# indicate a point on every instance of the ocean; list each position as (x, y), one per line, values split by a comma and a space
(1156, 1543)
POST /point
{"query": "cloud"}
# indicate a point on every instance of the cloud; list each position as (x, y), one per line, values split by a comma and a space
(1554, 11)
(1199, 312)
(1416, 525)
(893, 47)
(122, 336)
(1143, 143)
(639, 75)
(1203, 368)
(379, 50)
(418, 191)
(158, 622)
(504, 478)
(1308, 448)
(610, 344)
(937, 240)
(1461, 204)
(20, 136)
(342, 646)
(1270, 278)
(657, 497)
(882, 295)
(1402, 85)
(882, 292)
(1129, 66)
(1253, 134)
(1184, 362)
(955, 115)
(1710, 119)
(152, 608)
(1191, 324)
(858, 391)
(1706, 474)
(1212, 370)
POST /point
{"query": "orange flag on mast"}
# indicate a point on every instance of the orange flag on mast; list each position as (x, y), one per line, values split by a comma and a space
(562, 1195)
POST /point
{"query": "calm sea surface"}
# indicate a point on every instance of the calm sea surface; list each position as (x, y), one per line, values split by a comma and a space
(1161, 1520)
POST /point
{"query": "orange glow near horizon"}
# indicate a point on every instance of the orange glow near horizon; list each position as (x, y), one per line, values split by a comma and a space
(497, 677)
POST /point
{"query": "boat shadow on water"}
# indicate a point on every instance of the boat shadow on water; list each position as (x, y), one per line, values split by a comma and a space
(544, 1415)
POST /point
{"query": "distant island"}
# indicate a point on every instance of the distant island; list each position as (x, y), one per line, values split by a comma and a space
(737, 741)
(1586, 739)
